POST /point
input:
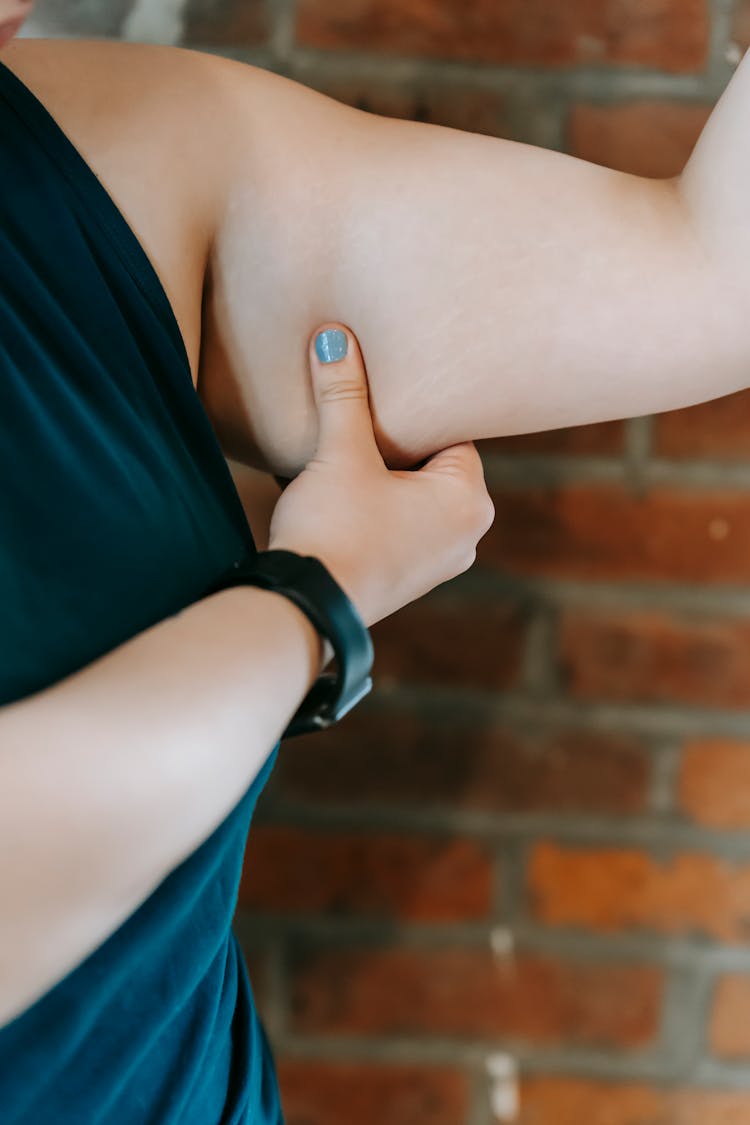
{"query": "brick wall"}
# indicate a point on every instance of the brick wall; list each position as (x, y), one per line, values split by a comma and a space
(514, 884)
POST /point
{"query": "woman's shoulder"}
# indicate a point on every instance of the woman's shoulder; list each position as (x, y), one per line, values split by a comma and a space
(144, 118)
(130, 104)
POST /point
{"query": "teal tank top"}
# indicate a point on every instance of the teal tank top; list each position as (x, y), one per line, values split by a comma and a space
(117, 510)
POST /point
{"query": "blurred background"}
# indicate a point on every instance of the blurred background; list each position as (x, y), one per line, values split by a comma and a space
(514, 884)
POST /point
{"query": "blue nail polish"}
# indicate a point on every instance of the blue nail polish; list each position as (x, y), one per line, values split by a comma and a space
(331, 345)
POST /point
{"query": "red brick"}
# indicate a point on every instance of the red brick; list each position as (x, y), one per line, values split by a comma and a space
(457, 107)
(571, 1101)
(226, 22)
(719, 429)
(403, 758)
(419, 879)
(649, 657)
(612, 889)
(472, 993)
(643, 138)
(714, 785)
(669, 34)
(601, 438)
(317, 1092)
(741, 29)
(606, 532)
(461, 643)
(730, 1025)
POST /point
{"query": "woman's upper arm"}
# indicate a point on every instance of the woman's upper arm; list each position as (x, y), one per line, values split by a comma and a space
(495, 288)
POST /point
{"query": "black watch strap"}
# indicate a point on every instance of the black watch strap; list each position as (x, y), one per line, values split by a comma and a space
(310, 585)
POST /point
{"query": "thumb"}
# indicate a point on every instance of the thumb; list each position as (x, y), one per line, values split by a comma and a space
(462, 461)
(341, 395)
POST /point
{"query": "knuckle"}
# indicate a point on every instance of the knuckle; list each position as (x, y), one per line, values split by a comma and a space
(483, 507)
(468, 559)
(486, 514)
(479, 512)
(455, 462)
(460, 556)
(343, 389)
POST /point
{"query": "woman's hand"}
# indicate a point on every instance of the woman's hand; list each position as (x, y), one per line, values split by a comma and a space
(387, 536)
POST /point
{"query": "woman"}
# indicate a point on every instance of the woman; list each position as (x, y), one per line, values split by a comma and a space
(491, 286)
(140, 715)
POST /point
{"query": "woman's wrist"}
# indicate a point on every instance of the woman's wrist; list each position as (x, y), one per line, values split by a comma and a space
(320, 649)
(321, 645)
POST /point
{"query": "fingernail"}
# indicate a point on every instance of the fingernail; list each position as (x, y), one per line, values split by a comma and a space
(331, 345)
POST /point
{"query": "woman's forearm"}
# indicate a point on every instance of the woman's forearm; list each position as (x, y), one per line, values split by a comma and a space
(495, 288)
(113, 776)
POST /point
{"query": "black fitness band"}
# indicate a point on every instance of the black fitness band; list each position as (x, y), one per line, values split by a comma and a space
(307, 582)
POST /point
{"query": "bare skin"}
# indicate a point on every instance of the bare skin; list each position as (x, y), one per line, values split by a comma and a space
(494, 288)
